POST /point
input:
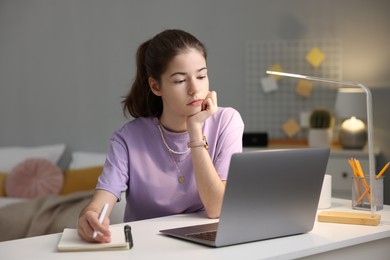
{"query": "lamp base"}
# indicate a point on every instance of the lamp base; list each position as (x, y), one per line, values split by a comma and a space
(349, 218)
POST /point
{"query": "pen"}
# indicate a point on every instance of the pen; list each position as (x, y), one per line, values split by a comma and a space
(129, 237)
(101, 218)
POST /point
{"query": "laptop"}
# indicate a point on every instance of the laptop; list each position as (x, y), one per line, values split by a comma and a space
(269, 194)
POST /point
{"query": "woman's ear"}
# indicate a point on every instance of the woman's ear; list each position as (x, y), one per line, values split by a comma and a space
(153, 84)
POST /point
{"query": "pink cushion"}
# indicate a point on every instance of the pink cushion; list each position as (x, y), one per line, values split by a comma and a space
(34, 178)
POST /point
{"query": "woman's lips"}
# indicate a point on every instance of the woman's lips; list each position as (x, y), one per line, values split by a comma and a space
(195, 102)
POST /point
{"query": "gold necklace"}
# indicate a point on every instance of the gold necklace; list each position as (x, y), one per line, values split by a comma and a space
(166, 145)
(181, 179)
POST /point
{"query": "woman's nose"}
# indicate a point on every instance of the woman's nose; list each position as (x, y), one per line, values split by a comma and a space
(193, 86)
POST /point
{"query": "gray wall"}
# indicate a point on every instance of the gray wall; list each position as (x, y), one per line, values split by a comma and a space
(64, 65)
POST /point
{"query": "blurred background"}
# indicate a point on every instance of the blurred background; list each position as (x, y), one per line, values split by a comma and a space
(65, 65)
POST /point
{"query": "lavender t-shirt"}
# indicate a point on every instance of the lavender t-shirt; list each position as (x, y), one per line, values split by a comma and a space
(139, 163)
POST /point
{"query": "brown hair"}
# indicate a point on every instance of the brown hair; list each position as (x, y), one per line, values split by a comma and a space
(152, 59)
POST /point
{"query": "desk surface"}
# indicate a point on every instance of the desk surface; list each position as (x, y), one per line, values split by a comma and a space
(149, 244)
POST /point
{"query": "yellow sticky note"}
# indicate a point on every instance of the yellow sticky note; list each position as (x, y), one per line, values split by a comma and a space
(315, 57)
(304, 87)
(277, 68)
(291, 127)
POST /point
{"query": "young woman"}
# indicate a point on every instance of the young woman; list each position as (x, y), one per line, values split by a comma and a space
(174, 156)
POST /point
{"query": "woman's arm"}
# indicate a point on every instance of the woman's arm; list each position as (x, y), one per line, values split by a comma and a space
(210, 186)
(89, 217)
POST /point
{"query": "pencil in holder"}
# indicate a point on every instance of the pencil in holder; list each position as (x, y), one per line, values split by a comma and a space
(361, 193)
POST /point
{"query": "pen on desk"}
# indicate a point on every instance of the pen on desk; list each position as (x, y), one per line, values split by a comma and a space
(128, 235)
(101, 218)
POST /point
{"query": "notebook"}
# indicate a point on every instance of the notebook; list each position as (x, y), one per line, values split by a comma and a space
(269, 194)
(70, 241)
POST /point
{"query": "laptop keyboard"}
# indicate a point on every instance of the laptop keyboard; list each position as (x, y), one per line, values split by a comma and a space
(209, 235)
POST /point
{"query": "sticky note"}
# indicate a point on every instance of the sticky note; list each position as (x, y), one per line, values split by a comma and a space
(269, 84)
(278, 68)
(304, 119)
(315, 57)
(291, 127)
(304, 87)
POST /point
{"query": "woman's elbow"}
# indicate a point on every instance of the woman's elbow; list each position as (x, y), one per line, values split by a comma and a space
(213, 215)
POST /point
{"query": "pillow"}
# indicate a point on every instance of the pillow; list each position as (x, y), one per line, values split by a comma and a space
(86, 160)
(2, 184)
(11, 156)
(81, 179)
(34, 178)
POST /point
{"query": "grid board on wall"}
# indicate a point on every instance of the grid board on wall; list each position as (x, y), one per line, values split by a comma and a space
(266, 112)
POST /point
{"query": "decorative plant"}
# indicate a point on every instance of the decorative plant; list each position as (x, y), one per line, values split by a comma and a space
(320, 132)
(320, 118)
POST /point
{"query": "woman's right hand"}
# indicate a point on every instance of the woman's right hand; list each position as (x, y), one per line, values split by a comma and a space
(89, 222)
(89, 218)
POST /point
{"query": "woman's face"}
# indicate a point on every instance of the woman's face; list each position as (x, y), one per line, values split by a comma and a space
(184, 85)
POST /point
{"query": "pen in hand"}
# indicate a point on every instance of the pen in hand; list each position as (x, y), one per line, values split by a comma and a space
(101, 218)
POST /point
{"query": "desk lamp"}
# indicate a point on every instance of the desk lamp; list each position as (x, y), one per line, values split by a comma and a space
(350, 107)
(340, 217)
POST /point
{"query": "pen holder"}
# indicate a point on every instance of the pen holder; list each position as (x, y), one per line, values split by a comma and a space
(361, 193)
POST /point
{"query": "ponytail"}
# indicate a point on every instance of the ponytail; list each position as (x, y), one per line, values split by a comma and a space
(141, 102)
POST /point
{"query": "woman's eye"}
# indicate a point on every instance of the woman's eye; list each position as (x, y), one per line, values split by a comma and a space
(202, 77)
(179, 81)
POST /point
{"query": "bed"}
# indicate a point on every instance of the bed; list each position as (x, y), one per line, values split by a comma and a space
(43, 189)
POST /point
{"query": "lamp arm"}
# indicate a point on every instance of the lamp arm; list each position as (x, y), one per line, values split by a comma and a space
(370, 127)
(371, 157)
(370, 134)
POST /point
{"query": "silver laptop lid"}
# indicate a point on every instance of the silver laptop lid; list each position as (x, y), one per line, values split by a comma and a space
(271, 193)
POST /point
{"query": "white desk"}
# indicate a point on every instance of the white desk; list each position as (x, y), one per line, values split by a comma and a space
(324, 241)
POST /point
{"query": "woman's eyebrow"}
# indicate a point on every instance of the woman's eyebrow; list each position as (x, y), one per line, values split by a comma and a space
(177, 73)
(184, 73)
